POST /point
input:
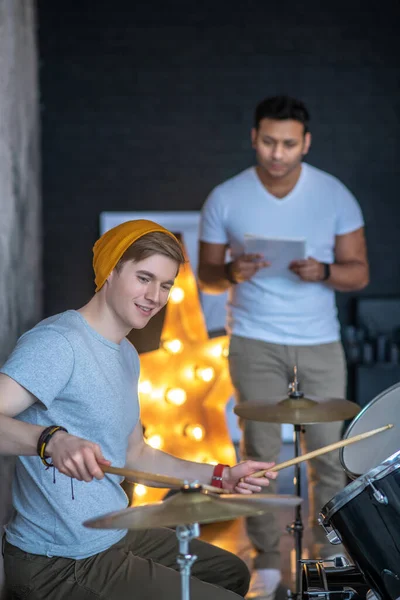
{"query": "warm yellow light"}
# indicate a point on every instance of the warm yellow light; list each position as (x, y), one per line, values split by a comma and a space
(145, 387)
(176, 396)
(205, 373)
(177, 295)
(140, 490)
(217, 350)
(189, 373)
(155, 441)
(173, 346)
(195, 432)
(157, 394)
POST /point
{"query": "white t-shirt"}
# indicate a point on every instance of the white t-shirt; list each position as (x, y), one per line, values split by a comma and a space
(284, 309)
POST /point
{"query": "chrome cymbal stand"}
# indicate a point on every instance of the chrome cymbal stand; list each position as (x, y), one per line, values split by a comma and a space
(296, 528)
(186, 533)
(185, 560)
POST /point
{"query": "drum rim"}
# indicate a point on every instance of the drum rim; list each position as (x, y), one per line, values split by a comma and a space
(352, 425)
(353, 489)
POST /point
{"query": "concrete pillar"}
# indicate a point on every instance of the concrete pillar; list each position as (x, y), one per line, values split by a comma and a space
(20, 235)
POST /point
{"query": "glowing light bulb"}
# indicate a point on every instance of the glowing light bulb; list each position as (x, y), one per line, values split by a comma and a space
(155, 441)
(177, 295)
(189, 373)
(145, 387)
(176, 396)
(173, 346)
(157, 394)
(205, 373)
(217, 350)
(140, 490)
(195, 432)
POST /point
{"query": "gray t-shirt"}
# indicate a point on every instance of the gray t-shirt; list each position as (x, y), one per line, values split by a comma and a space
(87, 384)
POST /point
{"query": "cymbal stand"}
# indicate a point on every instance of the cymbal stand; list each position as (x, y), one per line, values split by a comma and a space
(185, 533)
(185, 560)
(296, 528)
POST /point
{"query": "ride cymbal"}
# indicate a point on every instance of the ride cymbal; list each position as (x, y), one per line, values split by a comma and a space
(191, 505)
(299, 411)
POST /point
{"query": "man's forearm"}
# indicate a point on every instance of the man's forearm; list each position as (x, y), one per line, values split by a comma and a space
(348, 277)
(212, 279)
(18, 438)
(152, 460)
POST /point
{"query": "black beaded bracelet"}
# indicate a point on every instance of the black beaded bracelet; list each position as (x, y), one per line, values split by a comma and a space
(44, 439)
(228, 273)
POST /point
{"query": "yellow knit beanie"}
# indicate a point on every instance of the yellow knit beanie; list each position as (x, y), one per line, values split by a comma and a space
(112, 245)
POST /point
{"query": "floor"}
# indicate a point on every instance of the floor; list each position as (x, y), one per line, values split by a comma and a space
(232, 536)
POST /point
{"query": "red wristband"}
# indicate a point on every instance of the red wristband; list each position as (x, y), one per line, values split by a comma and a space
(216, 479)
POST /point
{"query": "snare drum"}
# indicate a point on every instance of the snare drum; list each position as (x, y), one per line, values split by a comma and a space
(365, 516)
(321, 579)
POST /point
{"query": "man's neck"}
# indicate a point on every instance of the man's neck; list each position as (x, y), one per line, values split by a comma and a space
(101, 319)
(279, 187)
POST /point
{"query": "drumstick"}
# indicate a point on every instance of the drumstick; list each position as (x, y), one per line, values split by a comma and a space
(164, 480)
(323, 450)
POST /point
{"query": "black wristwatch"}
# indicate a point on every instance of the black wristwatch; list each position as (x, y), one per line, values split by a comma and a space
(228, 272)
(327, 271)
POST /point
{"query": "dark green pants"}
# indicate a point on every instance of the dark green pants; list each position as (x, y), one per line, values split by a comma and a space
(142, 566)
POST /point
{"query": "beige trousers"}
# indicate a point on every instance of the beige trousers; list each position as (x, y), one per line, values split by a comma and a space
(262, 371)
(142, 566)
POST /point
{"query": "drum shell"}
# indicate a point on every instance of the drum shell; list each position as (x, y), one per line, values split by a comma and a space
(337, 579)
(370, 531)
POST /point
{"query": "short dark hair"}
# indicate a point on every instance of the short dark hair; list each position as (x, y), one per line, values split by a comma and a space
(282, 108)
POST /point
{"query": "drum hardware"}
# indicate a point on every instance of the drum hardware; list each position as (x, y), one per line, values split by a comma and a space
(332, 536)
(379, 497)
(185, 560)
(332, 579)
(296, 528)
(338, 561)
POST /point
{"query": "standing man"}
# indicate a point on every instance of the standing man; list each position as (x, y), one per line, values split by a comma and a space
(276, 322)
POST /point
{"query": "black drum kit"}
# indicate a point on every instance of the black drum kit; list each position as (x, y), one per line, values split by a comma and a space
(364, 516)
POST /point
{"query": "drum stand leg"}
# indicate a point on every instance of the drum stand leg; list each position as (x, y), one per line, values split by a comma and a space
(296, 528)
(185, 533)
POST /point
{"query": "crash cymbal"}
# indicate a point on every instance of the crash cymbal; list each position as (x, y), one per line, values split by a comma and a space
(298, 411)
(191, 505)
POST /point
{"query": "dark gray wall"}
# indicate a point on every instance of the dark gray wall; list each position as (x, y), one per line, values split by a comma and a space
(148, 107)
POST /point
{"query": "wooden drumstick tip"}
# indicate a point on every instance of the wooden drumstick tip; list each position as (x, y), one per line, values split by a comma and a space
(324, 450)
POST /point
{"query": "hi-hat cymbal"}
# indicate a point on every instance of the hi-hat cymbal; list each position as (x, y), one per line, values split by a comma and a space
(191, 506)
(298, 411)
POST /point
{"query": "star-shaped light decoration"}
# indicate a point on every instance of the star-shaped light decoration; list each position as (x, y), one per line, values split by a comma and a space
(185, 386)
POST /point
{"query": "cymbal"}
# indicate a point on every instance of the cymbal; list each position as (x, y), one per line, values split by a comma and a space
(299, 411)
(191, 505)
